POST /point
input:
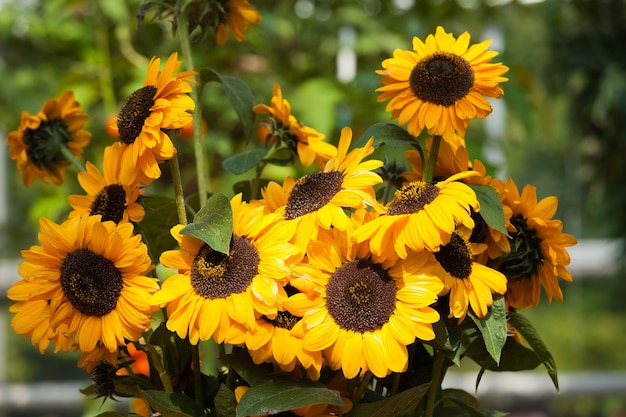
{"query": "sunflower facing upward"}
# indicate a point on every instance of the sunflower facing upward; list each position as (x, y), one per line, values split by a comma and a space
(162, 103)
(86, 280)
(283, 127)
(441, 85)
(42, 142)
(106, 194)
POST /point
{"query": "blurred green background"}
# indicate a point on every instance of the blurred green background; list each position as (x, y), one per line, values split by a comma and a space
(560, 126)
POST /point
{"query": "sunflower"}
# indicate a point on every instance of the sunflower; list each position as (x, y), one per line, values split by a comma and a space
(222, 295)
(161, 103)
(441, 85)
(361, 313)
(37, 145)
(234, 16)
(318, 200)
(538, 257)
(420, 216)
(272, 341)
(86, 279)
(106, 195)
(283, 127)
(468, 283)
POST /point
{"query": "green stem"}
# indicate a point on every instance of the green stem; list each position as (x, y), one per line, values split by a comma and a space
(256, 185)
(198, 143)
(429, 169)
(197, 380)
(105, 78)
(158, 364)
(435, 383)
(70, 157)
(178, 190)
(367, 378)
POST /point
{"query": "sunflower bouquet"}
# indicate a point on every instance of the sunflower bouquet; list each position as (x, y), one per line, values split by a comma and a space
(347, 288)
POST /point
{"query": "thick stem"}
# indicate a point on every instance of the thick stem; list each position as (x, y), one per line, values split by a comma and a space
(70, 157)
(198, 143)
(367, 378)
(178, 190)
(435, 383)
(429, 169)
(158, 365)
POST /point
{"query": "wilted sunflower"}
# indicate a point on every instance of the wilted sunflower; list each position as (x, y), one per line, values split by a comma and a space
(284, 128)
(87, 276)
(162, 103)
(106, 194)
(41, 143)
(360, 313)
(469, 283)
(220, 296)
(538, 257)
(420, 216)
(442, 84)
(318, 200)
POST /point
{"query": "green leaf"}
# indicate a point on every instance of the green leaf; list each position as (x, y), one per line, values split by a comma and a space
(386, 133)
(515, 357)
(242, 363)
(160, 216)
(239, 95)
(490, 206)
(471, 411)
(493, 328)
(213, 224)
(114, 414)
(172, 404)
(530, 334)
(225, 402)
(279, 393)
(399, 405)
(241, 162)
(448, 339)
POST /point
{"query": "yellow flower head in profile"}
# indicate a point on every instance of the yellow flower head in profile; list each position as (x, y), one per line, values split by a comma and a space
(360, 313)
(86, 280)
(318, 200)
(37, 145)
(420, 216)
(468, 283)
(218, 295)
(161, 103)
(234, 16)
(106, 194)
(538, 257)
(283, 127)
(441, 84)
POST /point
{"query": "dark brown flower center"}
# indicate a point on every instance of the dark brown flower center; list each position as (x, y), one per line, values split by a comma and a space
(441, 78)
(91, 282)
(43, 145)
(134, 113)
(312, 192)
(360, 296)
(526, 256)
(216, 275)
(283, 319)
(412, 197)
(110, 202)
(456, 257)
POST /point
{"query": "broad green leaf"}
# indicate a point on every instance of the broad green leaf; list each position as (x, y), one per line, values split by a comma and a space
(242, 363)
(225, 402)
(239, 95)
(402, 404)
(448, 339)
(530, 334)
(160, 216)
(490, 206)
(514, 357)
(492, 327)
(213, 224)
(281, 393)
(241, 162)
(172, 404)
(472, 411)
(386, 133)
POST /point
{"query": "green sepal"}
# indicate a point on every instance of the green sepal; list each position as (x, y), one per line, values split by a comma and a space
(213, 224)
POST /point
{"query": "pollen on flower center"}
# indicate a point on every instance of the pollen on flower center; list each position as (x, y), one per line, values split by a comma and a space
(412, 197)
(134, 113)
(441, 78)
(360, 296)
(91, 282)
(312, 192)
(284, 320)
(526, 256)
(456, 257)
(216, 275)
(110, 203)
(43, 145)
